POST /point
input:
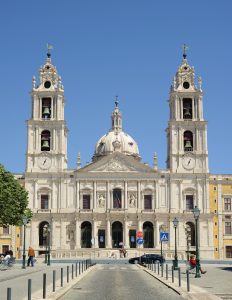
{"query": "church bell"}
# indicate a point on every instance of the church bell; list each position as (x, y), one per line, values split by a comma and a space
(46, 112)
(45, 145)
(188, 144)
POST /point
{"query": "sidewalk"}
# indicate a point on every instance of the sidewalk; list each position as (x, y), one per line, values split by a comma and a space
(215, 284)
(16, 278)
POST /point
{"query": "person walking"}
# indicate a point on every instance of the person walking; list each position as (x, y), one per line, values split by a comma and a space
(31, 255)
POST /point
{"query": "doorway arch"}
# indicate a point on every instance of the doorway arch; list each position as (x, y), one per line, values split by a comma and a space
(86, 234)
(148, 235)
(117, 234)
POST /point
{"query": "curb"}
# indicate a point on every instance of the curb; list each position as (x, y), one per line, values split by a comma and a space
(196, 293)
(64, 290)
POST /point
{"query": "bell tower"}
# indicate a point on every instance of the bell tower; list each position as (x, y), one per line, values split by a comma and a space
(187, 129)
(47, 131)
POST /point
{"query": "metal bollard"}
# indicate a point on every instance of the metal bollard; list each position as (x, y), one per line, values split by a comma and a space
(179, 276)
(166, 271)
(162, 270)
(61, 277)
(72, 271)
(79, 267)
(86, 264)
(188, 283)
(76, 269)
(29, 290)
(67, 273)
(158, 268)
(54, 281)
(155, 267)
(8, 293)
(82, 267)
(44, 285)
(172, 274)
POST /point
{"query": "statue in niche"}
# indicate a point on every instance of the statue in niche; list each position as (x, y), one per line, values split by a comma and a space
(101, 200)
(132, 200)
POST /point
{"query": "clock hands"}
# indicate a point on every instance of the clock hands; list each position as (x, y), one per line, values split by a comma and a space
(44, 161)
(189, 162)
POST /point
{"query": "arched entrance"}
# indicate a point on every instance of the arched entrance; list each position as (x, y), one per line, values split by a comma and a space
(86, 235)
(148, 235)
(117, 234)
(43, 234)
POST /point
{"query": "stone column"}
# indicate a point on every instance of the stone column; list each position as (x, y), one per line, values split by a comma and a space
(95, 235)
(125, 195)
(77, 195)
(108, 234)
(78, 234)
(139, 194)
(108, 206)
(94, 195)
(62, 234)
(126, 234)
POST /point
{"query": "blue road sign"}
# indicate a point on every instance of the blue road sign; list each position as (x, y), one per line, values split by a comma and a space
(164, 236)
(140, 241)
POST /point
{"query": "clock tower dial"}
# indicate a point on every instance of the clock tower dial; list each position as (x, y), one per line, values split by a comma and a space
(188, 162)
(45, 162)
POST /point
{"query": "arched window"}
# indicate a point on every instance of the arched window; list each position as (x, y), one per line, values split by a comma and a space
(45, 140)
(117, 198)
(188, 141)
(86, 234)
(43, 234)
(46, 108)
(117, 234)
(148, 235)
(187, 108)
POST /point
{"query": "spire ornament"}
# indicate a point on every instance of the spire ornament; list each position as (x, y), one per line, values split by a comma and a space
(185, 49)
(49, 48)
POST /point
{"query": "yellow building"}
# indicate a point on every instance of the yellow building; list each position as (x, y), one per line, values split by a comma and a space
(221, 209)
(10, 239)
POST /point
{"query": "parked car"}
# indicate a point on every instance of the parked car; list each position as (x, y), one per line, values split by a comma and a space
(147, 258)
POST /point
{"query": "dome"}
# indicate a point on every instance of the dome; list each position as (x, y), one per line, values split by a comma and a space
(116, 139)
(113, 141)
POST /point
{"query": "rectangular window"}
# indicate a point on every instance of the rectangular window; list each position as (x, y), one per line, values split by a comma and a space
(44, 201)
(189, 202)
(86, 201)
(227, 204)
(228, 228)
(147, 201)
(228, 251)
(5, 248)
(117, 198)
(5, 230)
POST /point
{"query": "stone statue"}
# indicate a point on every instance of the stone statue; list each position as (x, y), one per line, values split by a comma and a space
(132, 200)
(101, 200)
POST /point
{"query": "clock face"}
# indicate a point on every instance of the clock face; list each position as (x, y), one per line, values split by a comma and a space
(188, 162)
(44, 162)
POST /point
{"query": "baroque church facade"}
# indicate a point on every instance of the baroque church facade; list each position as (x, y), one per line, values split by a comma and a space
(105, 203)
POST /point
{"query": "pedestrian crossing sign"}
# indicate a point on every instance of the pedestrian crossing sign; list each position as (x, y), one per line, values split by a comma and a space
(164, 236)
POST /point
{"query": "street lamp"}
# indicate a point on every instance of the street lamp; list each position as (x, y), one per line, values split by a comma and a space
(47, 230)
(175, 261)
(24, 219)
(196, 213)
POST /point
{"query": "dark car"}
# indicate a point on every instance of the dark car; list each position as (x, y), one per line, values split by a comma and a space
(147, 258)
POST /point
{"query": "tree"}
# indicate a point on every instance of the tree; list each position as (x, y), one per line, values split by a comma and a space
(13, 200)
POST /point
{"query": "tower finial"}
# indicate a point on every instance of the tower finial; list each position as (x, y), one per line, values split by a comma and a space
(185, 49)
(116, 100)
(49, 48)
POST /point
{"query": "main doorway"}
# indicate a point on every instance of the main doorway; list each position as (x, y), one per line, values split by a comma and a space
(117, 234)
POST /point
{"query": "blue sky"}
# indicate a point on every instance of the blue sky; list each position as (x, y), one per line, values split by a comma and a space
(103, 48)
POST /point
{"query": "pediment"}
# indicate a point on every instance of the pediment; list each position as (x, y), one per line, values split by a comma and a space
(117, 162)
